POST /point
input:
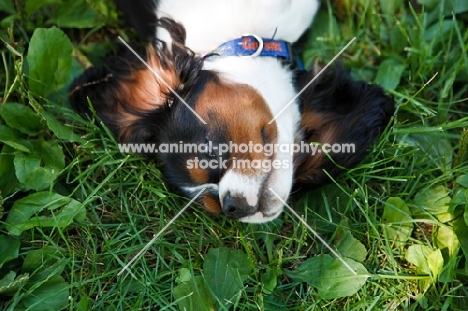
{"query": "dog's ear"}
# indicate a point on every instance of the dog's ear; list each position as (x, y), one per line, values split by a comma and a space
(125, 89)
(344, 114)
(128, 94)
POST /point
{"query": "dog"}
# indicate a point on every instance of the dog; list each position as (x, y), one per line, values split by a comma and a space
(217, 74)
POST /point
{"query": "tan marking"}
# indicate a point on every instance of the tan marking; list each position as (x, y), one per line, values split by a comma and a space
(321, 129)
(212, 204)
(244, 112)
(143, 91)
(199, 175)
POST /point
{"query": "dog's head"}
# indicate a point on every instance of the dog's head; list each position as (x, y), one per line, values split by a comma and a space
(216, 135)
(208, 131)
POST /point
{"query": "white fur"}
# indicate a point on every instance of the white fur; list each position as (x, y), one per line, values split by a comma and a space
(274, 83)
(208, 24)
(259, 217)
(240, 185)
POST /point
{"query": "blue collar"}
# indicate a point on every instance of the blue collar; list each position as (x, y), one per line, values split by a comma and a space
(252, 46)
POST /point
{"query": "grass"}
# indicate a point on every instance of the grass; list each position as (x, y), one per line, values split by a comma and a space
(400, 216)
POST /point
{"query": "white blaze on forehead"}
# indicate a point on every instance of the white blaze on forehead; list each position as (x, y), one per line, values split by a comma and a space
(240, 185)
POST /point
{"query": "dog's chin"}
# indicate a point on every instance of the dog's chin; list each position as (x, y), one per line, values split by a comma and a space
(262, 217)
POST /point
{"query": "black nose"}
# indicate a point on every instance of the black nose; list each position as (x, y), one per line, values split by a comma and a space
(234, 207)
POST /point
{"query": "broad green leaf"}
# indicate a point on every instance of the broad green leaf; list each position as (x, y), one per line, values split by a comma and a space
(8, 181)
(185, 275)
(29, 172)
(435, 262)
(50, 295)
(75, 14)
(417, 255)
(32, 6)
(270, 280)
(9, 284)
(330, 276)
(337, 281)
(95, 53)
(389, 74)
(5, 23)
(39, 169)
(434, 201)
(350, 247)
(225, 270)
(13, 139)
(61, 130)
(9, 247)
(459, 7)
(20, 117)
(459, 199)
(43, 209)
(461, 230)
(49, 60)
(397, 221)
(433, 148)
(429, 3)
(52, 154)
(41, 264)
(446, 238)
(83, 304)
(390, 7)
(427, 260)
(449, 7)
(41, 258)
(310, 270)
(191, 294)
(462, 180)
(397, 39)
(439, 31)
(449, 270)
(7, 6)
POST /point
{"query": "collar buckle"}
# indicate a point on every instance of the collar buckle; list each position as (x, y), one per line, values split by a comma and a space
(260, 45)
(251, 45)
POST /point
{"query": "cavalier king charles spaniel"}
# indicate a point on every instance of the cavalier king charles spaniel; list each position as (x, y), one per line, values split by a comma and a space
(215, 94)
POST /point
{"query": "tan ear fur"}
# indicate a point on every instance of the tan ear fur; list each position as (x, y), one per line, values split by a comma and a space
(148, 88)
(145, 89)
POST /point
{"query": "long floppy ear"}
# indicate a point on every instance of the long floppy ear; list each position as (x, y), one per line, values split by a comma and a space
(124, 89)
(343, 113)
(127, 95)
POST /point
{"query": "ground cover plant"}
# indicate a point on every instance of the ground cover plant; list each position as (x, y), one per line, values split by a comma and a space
(74, 210)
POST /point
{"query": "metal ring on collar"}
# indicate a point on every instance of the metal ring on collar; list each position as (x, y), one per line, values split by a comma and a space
(260, 44)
